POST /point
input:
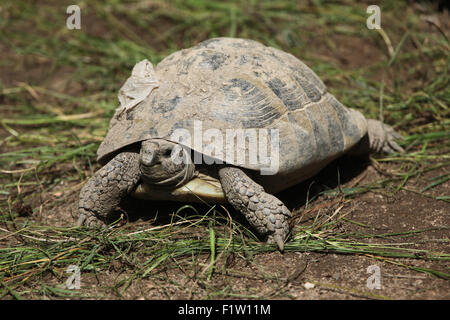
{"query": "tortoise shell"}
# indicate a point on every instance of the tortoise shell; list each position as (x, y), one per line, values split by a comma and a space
(227, 83)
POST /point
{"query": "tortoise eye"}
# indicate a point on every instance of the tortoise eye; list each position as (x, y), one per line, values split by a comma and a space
(167, 153)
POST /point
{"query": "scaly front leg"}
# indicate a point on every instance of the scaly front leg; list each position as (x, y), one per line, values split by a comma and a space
(267, 214)
(104, 191)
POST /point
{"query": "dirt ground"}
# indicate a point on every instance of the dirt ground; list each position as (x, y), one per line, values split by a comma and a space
(308, 275)
(275, 275)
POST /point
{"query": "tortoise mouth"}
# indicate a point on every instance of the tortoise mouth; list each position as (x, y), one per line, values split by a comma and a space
(151, 171)
(199, 189)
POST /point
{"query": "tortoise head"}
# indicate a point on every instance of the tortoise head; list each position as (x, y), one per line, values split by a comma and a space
(165, 163)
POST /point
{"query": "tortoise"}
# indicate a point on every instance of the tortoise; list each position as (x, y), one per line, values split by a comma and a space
(232, 88)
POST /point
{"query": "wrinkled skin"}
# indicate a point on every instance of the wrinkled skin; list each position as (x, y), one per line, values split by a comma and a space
(158, 162)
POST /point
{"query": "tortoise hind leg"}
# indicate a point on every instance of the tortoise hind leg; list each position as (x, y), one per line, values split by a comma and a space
(382, 137)
(379, 138)
(103, 191)
(264, 212)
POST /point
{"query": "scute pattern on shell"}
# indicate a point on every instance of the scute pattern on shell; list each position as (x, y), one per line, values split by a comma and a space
(236, 83)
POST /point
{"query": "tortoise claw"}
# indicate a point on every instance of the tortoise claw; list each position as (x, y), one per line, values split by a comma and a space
(278, 239)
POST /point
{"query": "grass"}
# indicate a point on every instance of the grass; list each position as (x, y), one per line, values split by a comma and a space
(58, 90)
(43, 250)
